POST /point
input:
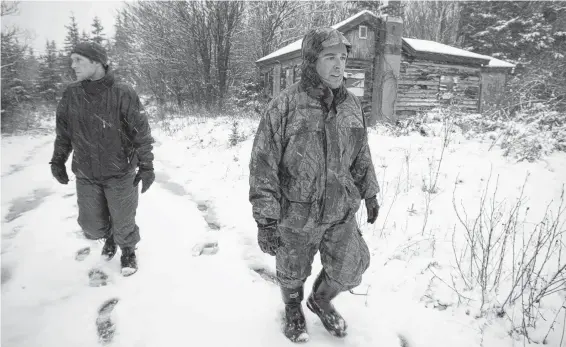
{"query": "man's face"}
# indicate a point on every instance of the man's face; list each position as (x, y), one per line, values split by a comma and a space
(84, 68)
(330, 65)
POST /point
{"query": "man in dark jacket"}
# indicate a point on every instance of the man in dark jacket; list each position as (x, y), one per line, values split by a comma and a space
(310, 168)
(103, 124)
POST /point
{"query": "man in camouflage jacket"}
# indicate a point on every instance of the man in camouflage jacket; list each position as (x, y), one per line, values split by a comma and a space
(103, 123)
(310, 167)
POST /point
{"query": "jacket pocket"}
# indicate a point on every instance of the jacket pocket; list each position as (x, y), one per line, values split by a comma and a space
(297, 215)
(299, 189)
(352, 139)
(302, 165)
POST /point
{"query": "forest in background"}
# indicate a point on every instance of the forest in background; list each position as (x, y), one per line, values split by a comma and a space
(202, 58)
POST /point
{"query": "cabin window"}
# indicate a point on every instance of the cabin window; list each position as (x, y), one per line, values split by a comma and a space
(297, 75)
(363, 32)
(355, 81)
(265, 83)
(283, 79)
(289, 76)
(269, 88)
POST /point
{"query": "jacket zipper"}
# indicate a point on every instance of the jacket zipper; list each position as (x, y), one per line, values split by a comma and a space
(101, 142)
(325, 150)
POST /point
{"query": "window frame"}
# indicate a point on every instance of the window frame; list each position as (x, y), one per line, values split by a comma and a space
(360, 32)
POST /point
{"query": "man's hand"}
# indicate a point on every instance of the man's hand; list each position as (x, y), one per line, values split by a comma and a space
(372, 208)
(267, 237)
(146, 176)
(59, 171)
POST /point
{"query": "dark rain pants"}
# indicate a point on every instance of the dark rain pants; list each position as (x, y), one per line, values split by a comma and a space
(343, 253)
(109, 208)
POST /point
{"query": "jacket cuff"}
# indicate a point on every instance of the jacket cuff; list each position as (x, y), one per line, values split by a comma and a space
(266, 222)
(145, 165)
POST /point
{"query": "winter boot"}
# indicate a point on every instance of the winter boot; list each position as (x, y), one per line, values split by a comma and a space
(319, 303)
(128, 261)
(295, 324)
(109, 248)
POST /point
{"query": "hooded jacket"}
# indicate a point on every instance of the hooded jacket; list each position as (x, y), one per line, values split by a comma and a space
(103, 123)
(311, 161)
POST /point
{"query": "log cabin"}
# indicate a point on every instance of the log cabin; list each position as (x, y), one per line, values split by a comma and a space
(395, 76)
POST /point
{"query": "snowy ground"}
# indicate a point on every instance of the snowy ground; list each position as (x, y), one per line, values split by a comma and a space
(204, 282)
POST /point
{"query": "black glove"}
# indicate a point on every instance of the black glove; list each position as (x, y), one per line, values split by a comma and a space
(147, 176)
(267, 237)
(373, 209)
(59, 171)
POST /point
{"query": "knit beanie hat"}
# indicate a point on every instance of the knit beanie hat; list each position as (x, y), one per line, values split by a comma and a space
(93, 51)
(314, 42)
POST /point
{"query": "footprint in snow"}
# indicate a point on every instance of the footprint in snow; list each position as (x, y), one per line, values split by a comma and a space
(97, 278)
(205, 248)
(213, 225)
(403, 341)
(208, 215)
(104, 325)
(82, 254)
(6, 274)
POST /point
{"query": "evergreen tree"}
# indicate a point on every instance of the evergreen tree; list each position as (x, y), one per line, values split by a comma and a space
(120, 50)
(13, 60)
(530, 33)
(71, 41)
(515, 30)
(30, 73)
(72, 37)
(49, 76)
(97, 34)
(84, 36)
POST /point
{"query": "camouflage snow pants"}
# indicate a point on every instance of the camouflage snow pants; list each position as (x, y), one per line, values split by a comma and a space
(109, 208)
(343, 253)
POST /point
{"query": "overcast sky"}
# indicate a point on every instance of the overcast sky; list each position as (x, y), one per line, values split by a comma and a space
(46, 20)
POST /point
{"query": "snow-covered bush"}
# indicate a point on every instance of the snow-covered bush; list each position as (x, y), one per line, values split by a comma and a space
(248, 97)
(531, 134)
(29, 117)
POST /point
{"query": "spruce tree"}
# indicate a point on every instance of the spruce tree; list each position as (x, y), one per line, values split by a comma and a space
(97, 34)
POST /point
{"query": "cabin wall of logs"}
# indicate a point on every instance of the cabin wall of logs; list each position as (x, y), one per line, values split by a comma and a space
(424, 85)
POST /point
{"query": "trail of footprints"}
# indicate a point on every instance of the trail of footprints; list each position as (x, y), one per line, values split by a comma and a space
(211, 247)
(106, 328)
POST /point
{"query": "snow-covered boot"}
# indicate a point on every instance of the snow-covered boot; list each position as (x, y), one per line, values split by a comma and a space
(295, 324)
(128, 261)
(319, 303)
(109, 248)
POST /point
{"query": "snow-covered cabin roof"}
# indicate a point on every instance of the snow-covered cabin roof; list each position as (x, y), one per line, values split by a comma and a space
(413, 47)
(499, 63)
(438, 51)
